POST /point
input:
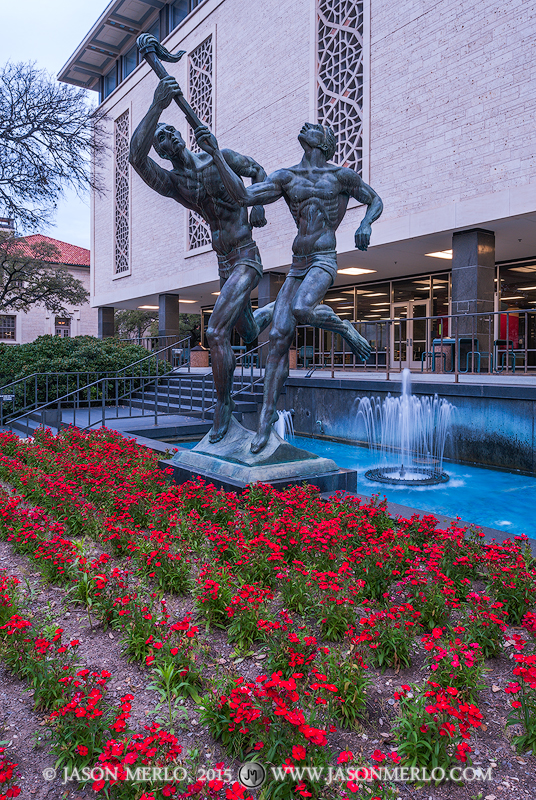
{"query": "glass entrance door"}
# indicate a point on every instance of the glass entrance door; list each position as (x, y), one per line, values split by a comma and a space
(409, 333)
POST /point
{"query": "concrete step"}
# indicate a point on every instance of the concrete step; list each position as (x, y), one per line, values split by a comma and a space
(147, 401)
(26, 427)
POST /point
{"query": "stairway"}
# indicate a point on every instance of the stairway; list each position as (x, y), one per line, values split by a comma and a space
(177, 395)
(184, 395)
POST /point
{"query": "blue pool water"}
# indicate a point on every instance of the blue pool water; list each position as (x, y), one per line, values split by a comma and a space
(493, 499)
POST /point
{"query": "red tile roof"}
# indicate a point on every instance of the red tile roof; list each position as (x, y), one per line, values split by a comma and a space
(69, 254)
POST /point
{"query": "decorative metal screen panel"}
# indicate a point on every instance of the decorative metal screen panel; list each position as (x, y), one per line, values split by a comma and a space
(340, 76)
(200, 64)
(121, 195)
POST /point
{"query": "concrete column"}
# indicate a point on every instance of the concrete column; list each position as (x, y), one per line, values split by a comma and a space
(105, 322)
(168, 315)
(473, 286)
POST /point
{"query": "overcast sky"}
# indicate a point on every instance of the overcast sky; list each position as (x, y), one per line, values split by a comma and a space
(48, 32)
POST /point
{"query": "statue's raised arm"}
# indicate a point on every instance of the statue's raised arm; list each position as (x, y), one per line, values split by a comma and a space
(262, 193)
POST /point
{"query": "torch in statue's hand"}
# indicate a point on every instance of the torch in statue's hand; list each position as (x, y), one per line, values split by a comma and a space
(154, 53)
(147, 43)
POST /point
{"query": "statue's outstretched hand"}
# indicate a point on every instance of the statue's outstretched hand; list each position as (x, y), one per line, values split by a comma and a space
(167, 89)
(362, 236)
(206, 140)
(257, 217)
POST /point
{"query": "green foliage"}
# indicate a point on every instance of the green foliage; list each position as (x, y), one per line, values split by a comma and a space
(58, 354)
(133, 321)
(48, 355)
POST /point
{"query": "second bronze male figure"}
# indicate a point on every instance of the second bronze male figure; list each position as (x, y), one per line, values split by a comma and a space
(317, 194)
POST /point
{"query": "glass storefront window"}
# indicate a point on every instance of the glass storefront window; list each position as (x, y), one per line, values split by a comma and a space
(373, 302)
(414, 289)
(342, 301)
(517, 291)
(440, 306)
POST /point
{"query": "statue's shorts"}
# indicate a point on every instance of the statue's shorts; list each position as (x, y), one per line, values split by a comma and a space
(325, 259)
(247, 254)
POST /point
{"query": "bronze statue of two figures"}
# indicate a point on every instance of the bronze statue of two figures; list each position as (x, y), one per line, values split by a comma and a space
(210, 183)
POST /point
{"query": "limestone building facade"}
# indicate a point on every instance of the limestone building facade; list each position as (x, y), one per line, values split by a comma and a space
(433, 103)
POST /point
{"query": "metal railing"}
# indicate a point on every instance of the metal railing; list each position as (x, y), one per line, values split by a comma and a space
(121, 395)
(250, 373)
(32, 393)
(151, 343)
(501, 342)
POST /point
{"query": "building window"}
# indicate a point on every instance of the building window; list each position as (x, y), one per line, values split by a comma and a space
(62, 327)
(130, 61)
(339, 76)
(7, 327)
(154, 29)
(110, 81)
(121, 195)
(201, 96)
(179, 11)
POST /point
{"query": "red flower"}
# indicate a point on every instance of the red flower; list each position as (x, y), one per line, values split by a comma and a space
(298, 752)
(378, 756)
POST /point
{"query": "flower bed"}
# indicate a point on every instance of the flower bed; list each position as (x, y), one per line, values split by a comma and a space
(322, 639)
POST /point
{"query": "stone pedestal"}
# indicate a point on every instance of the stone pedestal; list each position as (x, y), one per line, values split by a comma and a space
(199, 356)
(231, 465)
(293, 358)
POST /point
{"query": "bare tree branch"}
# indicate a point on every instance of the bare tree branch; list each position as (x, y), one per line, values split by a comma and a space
(48, 134)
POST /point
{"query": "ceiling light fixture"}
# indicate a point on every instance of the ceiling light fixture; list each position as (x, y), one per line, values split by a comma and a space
(440, 254)
(153, 308)
(355, 271)
(187, 301)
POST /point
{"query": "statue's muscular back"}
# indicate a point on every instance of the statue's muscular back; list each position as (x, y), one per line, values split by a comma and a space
(317, 199)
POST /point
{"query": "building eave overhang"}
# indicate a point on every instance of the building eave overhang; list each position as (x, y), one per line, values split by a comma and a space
(114, 33)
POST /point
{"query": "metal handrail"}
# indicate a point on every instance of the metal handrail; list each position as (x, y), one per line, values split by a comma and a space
(480, 330)
(81, 398)
(34, 407)
(252, 383)
(129, 366)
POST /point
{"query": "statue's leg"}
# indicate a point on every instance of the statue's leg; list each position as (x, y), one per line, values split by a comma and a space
(229, 306)
(250, 323)
(307, 312)
(281, 336)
